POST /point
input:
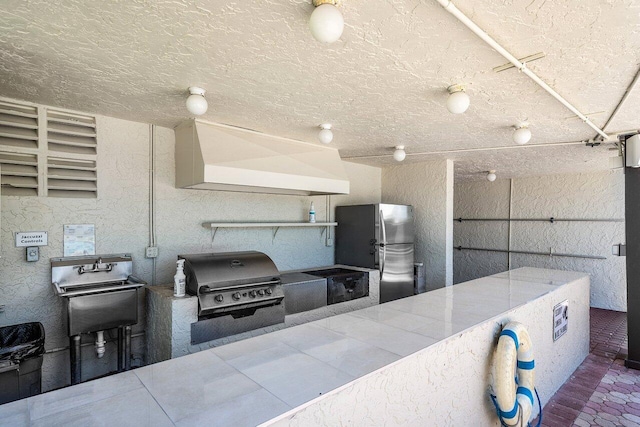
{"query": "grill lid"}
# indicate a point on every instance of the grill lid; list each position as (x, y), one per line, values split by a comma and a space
(225, 269)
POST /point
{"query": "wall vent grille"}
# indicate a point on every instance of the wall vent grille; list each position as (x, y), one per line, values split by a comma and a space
(71, 160)
(47, 152)
(18, 126)
(71, 133)
(19, 174)
(71, 178)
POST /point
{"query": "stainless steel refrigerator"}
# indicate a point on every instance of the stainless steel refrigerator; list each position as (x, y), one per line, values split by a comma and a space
(378, 236)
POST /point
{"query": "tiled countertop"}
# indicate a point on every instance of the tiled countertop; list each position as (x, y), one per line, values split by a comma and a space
(257, 379)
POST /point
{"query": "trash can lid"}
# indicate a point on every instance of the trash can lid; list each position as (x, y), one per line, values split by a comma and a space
(23, 341)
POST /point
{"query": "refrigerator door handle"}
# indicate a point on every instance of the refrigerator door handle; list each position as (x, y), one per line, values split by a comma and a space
(382, 245)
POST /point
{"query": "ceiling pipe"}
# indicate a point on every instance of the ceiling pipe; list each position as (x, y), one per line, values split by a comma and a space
(469, 150)
(452, 9)
(623, 100)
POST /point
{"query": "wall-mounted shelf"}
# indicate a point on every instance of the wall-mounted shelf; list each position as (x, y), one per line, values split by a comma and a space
(274, 225)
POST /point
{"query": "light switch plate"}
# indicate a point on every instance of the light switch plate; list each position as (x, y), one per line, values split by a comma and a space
(33, 253)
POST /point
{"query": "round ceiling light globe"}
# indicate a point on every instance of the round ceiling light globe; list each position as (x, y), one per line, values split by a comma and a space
(458, 102)
(521, 135)
(491, 177)
(325, 136)
(197, 105)
(399, 155)
(326, 23)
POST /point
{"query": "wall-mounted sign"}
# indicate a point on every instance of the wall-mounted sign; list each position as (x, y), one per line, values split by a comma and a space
(560, 319)
(31, 238)
(79, 239)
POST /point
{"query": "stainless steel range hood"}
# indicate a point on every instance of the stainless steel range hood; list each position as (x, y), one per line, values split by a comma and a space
(218, 157)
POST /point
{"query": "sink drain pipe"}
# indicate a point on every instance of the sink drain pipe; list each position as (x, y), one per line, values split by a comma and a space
(100, 342)
(522, 67)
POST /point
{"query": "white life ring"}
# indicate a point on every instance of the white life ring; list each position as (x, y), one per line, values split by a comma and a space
(514, 396)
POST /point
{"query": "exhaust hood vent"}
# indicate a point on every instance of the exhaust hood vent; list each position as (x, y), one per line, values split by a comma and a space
(218, 157)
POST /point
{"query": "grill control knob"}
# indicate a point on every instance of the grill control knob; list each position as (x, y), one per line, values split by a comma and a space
(268, 291)
(252, 294)
(236, 296)
(218, 298)
(260, 292)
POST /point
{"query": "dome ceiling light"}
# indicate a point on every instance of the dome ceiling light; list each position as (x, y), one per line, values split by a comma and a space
(196, 104)
(399, 155)
(522, 67)
(325, 135)
(326, 22)
(458, 101)
(491, 176)
(522, 134)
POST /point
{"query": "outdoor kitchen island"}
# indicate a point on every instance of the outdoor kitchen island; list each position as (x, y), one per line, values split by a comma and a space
(171, 320)
(422, 360)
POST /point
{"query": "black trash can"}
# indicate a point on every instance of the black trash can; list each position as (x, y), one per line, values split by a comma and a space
(21, 352)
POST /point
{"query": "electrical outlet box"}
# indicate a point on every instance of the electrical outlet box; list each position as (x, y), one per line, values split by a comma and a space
(33, 254)
(152, 252)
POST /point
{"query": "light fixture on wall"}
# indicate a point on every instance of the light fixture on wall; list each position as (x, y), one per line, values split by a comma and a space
(399, 155)
(326, 22)
(325, 135)
(196, 104)
(632, 151)
(491, 176)
(458, 101)
(522, 134)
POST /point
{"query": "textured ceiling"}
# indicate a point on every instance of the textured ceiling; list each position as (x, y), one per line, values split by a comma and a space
(382, 84)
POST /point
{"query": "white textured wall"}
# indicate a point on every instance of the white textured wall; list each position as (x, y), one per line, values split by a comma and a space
(448, 383)
(429, 188)
(595, 195)
(120, 214)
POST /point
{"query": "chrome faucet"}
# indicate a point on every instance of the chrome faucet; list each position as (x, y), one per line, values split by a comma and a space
(96, 267)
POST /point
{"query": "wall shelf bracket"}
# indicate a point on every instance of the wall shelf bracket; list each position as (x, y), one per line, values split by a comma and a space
(275, 226)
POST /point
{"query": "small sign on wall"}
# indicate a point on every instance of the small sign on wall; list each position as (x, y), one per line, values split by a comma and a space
(79, 240)
(32, 238)
(560, 319)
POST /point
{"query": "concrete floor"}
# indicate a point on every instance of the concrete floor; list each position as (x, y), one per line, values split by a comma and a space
(601, 392)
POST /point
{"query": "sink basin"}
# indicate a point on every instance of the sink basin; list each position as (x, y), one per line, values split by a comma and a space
(331, 272)
(343, 284)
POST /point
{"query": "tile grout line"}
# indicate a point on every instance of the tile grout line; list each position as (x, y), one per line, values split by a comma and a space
(154, 399)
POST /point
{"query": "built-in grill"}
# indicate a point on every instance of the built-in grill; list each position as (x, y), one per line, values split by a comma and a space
(237, 292)
(99, 293)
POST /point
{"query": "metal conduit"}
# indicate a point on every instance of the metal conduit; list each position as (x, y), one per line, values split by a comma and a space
(453, 10)
(87, 344)
(509, 228)
(549, 254)
(551, 219)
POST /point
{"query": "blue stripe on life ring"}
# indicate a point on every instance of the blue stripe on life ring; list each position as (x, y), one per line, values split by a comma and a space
(526, 365)
(526, 392)
(509, 333)
(512, 413)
